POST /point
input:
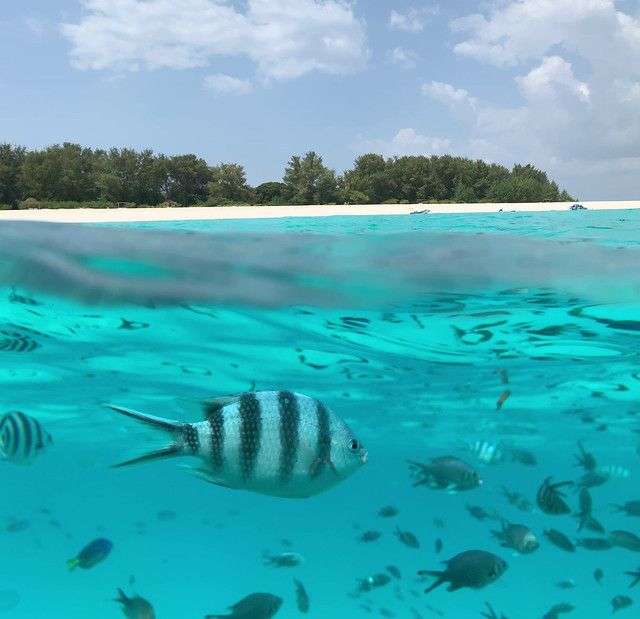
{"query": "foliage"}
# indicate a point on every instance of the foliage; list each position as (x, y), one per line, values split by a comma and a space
(228, 184)
(308, 181)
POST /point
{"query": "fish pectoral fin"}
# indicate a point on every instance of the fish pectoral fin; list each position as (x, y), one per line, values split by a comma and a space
(204, 474)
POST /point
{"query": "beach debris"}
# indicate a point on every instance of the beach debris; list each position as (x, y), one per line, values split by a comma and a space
(135, 607)
(577, 207)
(518, 537)
(283, 559)
(473, 568)
(302, 598)
(276, 443)
(254, 606)
(407, 538)
(550, 500)
(92, 554)
(22, 438)
(445, 473)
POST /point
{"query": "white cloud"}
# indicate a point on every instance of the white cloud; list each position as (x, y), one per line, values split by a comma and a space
(227, 85)
(284, 38)
(405, 142)
(405, 57)
(413, 21)
(554, 72)
(447, 94)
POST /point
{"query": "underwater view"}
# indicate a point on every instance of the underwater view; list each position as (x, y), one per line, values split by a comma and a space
(394, 416)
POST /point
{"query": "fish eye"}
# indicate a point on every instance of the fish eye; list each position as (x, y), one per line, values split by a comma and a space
(354, 446)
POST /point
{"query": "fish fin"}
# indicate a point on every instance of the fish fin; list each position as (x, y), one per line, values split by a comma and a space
(151, 420)
(72, 564)
(210, 405)
(436, 574)
(205, 475)
(166, 452)
(123, 599)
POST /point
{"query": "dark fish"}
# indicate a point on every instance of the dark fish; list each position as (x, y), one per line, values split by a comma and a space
(16, 342)
(369, 536)
(585, 459)
(438, 545)
(394, 571)
(621, 601)
(472, 568)
(132, 325)
(438, 522)
(519, 501)
(492, 613)
(385, 612)
(566, 584)
(277, 443)
(301, 597)
(518, 537)
(91, 554)
(586, 507)
(557, 609)
(631, 508)
(560, 540)
(388, 511)
(373, 582)
(407, 538)
(135, 607)
(523, 456)
(445, 473)
(284, 559)
(166, 514)
(550, 500)
(17, 526)
(22, 438)
(595, 543)
(254, 606)
(625, 539)
(594, 525)
(477, 512)
(636, 577)
(594, 478)
(598, 574)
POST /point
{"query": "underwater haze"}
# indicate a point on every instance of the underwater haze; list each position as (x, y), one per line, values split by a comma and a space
(510, 341)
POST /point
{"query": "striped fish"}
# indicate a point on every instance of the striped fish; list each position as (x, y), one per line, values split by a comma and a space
(16, 342)
(277, 443)
(22, 438)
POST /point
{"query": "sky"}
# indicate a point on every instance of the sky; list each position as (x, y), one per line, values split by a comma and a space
(554, 83)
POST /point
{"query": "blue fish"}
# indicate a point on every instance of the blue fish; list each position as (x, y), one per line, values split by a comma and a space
(91, 554)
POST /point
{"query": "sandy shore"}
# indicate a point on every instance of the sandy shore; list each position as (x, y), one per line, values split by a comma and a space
(256, 212)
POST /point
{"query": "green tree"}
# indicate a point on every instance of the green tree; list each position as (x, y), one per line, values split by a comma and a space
(228, 184)
(187, 178)
(369, 181)
(11, 160)
(272, 193)
(308, 181)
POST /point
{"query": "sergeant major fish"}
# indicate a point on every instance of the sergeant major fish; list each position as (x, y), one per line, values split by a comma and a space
(445, 473)
(550, 499)
(22, 438)
(276, 443)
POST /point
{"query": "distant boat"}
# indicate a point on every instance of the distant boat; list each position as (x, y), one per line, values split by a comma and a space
(426, 210)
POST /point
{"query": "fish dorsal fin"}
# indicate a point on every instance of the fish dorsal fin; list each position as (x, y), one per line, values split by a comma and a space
(202, 409)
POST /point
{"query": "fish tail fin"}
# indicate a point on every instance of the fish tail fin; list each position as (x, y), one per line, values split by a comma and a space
(123, 598)
(175, 428)
(436, 574)
(72, 564)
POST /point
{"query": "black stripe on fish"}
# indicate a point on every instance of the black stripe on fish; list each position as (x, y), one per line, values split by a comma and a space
(250, 432)
(289, 433)
(323, 441)
(17, 342)
(216, 427)
(190, 437)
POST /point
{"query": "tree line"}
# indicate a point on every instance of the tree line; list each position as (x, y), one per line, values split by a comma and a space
(71, 175)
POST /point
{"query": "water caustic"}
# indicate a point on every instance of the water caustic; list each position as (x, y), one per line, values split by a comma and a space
(493, 378)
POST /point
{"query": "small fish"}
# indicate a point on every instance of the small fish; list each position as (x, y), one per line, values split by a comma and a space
(621, 601)
(625, 539)
(630, 508)
(502, 399)
(550, 500)
(132, 325)
(445, 473)
(369, 536)
(487, 452)
(166, 514)
(585, 459)
(16, 342)
(594, 478)
(594, 525)
(301, 597)
(254, 606)
(586, 508)
(135, 607)
(438, 545)
(523, 456)
(276, 443)
(389, 511)
(518, 500)
(407, 538)
(595, 543)
(394, 571)
(598, 574)
(557, 609)
(636, 577)
(22, 438)
(566, 584)
(91, 554)
(560, 540)
(477, 512)
(373, 582)
(518, 537)
(473, 568)
(618, 472)
(284, 559)
(17, 526)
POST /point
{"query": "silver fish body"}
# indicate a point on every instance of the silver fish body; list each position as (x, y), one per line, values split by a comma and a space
(22, 438)
(277, 443)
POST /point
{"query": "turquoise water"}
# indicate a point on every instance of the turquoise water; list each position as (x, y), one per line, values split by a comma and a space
(406, 326)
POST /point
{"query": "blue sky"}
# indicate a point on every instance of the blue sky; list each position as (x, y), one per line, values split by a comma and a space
(555, 83)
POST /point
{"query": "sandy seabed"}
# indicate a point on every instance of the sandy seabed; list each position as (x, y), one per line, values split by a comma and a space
(257, 212)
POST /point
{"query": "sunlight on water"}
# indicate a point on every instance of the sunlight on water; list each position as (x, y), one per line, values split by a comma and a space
(501, 339)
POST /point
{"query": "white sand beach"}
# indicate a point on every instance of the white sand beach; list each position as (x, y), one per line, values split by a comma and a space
(255, 212)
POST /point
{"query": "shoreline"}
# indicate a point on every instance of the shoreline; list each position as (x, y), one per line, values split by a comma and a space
(193, 213)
